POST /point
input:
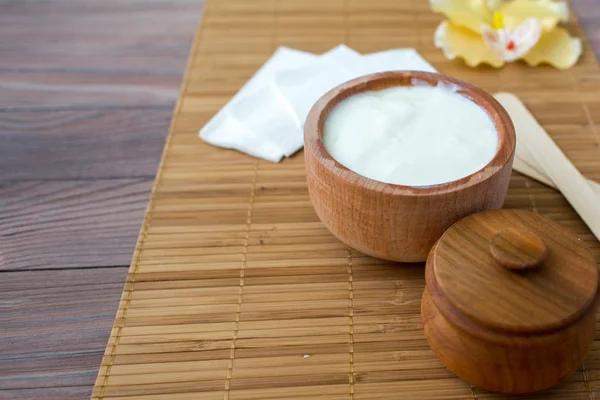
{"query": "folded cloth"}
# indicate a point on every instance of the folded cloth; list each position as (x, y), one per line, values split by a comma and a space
(231, 131)
(302, 87)
(265, 118)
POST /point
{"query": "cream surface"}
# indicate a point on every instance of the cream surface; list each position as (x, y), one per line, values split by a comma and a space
(414, 136)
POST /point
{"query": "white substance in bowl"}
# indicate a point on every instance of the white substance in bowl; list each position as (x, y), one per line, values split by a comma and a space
(413, 136)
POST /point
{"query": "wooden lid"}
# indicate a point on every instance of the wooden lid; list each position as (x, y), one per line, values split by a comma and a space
(515, 270)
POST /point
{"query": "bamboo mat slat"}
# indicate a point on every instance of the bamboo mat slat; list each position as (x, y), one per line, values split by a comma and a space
(237, 291)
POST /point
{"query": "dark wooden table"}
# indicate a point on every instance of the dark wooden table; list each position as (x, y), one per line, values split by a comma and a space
(86, 95)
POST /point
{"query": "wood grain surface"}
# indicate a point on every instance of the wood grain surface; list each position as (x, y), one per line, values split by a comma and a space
(518, 249)
(46, 224)
(85, 97)
(544, 298)
(82, 144)
(87, 91)
(505, 330)
(55, 58)
(53, 327)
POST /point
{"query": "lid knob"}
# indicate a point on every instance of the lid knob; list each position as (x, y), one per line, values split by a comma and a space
(518, 249)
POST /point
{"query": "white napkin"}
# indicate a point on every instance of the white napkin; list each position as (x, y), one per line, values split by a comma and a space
(302, 87)
(229, 129)
(265, 118)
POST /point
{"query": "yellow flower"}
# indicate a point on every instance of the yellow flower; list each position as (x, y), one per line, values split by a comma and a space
(498, 31)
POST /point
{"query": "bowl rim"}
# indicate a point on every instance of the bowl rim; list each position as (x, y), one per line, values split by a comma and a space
(314, 129)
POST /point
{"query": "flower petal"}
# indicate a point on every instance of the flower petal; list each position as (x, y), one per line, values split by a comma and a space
(548, 12)
(471, 14)
(457, 41)
(557, 48)
(526, 36)
(494, 41)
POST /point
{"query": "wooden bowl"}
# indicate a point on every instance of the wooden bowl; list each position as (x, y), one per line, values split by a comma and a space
(510, 301)
(395, 222)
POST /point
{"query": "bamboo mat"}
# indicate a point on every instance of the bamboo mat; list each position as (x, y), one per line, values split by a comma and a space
(237, 291)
